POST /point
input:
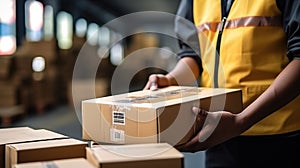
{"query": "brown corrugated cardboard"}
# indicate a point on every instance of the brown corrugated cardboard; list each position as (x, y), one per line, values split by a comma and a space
(44, 151)
(158, 155)
(5, 67)
(8, 93)
(7, 135)
(23, 134)
(64, 163)
(148, 116)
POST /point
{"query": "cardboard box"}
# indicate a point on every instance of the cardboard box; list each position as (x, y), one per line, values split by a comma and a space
(44, 151)
(5, 66)
(23, 134)
(64, 163)
(158, 155)
(8, 93)
(148, 116)
(10, 111)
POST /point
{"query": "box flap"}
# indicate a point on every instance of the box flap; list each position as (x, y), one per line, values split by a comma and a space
(46, 144)
(44, 151)
(8, 134)
(26, 135)
(161, 97)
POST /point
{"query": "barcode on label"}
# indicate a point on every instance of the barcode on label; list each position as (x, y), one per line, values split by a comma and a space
(117, 135)
(49, 164)
(118, 117)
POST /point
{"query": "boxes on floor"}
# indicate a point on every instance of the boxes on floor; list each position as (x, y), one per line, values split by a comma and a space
(9, 91)
(23, 134)
(63, 163)
(146, 116)
(44, 151)
(158, 155)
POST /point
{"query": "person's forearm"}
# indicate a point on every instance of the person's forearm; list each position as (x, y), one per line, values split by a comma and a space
(284, 89)
(185, 72)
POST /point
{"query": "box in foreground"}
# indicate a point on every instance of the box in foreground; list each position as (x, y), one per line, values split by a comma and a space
(146, 116)
(158, 155)
(44, 151)
(63, 163)
(23, 134)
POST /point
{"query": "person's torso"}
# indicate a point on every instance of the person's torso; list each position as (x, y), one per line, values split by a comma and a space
(245, 48)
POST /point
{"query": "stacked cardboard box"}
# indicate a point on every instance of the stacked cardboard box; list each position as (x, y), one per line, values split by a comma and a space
(5, 66)
(23, 67)
(32, 81)
(24, 147)
(10, 104)
(23, 134)
(7, 113)
(24, 144)
(44, 151)
(158, 155)
(44, 89)
(153, 116)
(8, 94)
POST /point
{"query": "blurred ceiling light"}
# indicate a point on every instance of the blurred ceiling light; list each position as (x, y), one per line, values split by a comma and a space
(48, 22)
(7, 11)
(104, 36)
(92, 34)
(7, 45)
(115, 36)
(36, 12)
(117, 54)
(7, 27)
(38, 64)
(103, 52)
(80, 27)
(34, 20)
(64, 30)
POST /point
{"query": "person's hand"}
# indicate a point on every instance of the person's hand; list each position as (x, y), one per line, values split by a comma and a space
(215, 128)
(156, 81)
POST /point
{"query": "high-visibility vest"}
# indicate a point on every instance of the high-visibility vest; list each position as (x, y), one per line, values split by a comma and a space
(246, 50)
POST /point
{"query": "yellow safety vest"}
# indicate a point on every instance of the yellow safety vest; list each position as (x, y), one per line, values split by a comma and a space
(252, 53)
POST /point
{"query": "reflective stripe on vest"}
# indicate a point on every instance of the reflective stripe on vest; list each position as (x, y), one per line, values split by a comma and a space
(257, 21)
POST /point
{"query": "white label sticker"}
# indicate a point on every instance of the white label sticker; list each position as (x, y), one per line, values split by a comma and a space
(117, 135)
(118, 117)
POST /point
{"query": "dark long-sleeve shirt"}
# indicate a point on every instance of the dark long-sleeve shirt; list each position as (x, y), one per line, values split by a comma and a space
(188, 38)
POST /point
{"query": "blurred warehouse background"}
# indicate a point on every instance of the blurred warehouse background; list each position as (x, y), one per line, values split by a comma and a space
(40, 42)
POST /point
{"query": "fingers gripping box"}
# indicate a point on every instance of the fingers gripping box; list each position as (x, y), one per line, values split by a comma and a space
(145, 116)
